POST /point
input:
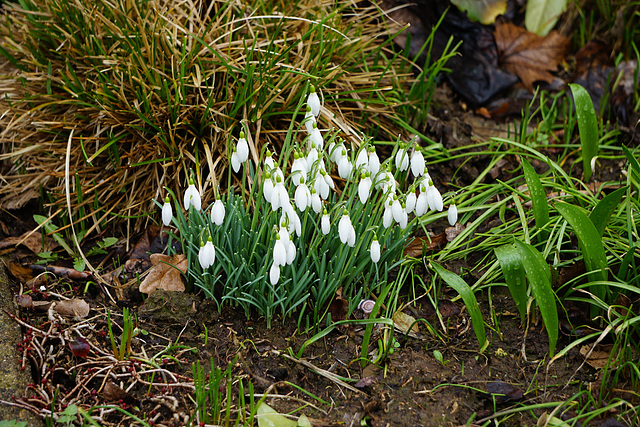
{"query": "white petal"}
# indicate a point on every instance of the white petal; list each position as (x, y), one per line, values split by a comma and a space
(417, 163)
(167, 213)
(374, 250)
(344, 167)
(309, 120)
(279, 253)
(374, 163)
(210, 253)
(316, 139)
(218, 212)
(402, 159)
(291, 253)
(202, 258)
(267, 189)
(422, 205)
(410, 203)
(274, 274)
(313, 101)
(396, 210)
(312, 158)
(364, 189)
(434, 199)
(302, 197)
(404, 220)
(363, 159)
(243, 150)
(387, 217)
(351, 238)
(192, 198)
(452, 215)
(325, 224)
(316, 203)
(235, 161)
(344, 228)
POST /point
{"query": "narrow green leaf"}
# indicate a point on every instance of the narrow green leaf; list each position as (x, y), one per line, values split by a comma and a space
(539, 278)
(538, 197)
(635, 166)
(588, 126)
(511, 264)
(541, 15)
(602, 212)
(468, 297)
(51, 228)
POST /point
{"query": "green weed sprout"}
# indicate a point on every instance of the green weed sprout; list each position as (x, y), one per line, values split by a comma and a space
(287, 243)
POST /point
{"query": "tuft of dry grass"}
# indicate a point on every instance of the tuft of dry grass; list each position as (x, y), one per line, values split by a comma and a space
(150, 90)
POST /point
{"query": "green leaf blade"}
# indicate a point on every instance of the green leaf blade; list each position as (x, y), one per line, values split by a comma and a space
(538, 197)
(600, 215)
(514, 275)
(587, 125)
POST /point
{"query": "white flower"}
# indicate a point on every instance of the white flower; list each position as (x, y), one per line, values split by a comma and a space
(279, 196)
(345, 227)
(387, 216)
(235, 161)
(396, 209)
(364, 187)
(242, 148)
(325, 223)
(316, 203)
(417, 163)
(351, 238)
(267, 187)
(299, 168)
(291, 252)
(279, 252)
(434, 198)
(207, 254)
(374, 250)
(452, 214)
(422, 205)
(321, 185)
(309, 120)
(402, 159)
(410, 202)
(336, 150)
(217, 212)
(315, 138)
(374, 162)
(404, 219)
(344, 166)
(302, 196)
(274, 274)
(192, 197)
(167, 212)
(362, 160)
(268, 161)
(313, 101)
(293, 219)
(312, 158)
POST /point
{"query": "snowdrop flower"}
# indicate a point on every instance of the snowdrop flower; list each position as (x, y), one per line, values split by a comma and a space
(387, 215)
(315, 138)
(316, 203)
(336, 150)
(292, 219)
(344, 166)
(299, 168)
(279, 196)
(321, 185)
(242, 148)
(312, 158)
(309, 120)
(434, 198)
(374, 162)
(274, 274)
(207, 254)
(327, 178)
(422, 205)
(364, 187)
(404, 218)
(386, 181)
(325, 223)
(167, 212)
(291, 253)
(402, 159)
(313, 101)
(268, 161)
(302, 196)
(192, 197)
(396, 209)
(417, 163)
(280, 251)
(346, 230)
(410, 202)
(217, 212)
(374, 250)
(452, 214)
(235, 160)
(362, 160)
(267, 186)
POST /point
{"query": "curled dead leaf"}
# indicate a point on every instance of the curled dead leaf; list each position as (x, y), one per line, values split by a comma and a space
(31, 239)
(76, 308)
(165, 274)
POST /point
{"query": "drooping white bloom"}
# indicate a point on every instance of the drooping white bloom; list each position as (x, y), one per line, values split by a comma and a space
(242, 148)
(452, 214)
(327, 178)
(302, 196)
(387, 216)
(274, 274)
(362, 160)
(291, 252)
(316, 203)
(374, 162)
(299, 168)
(235, 161)
(279, 196)
(434, 198)
(268, 161)
(267, 187)
(402, 159)
(313, 101)
(422, 205)
(293, 219)
(374, 250)
(217, 212)
(404, 219)
(315, 138)
(351, 238)
(417, 163)
(325, 223)
(312, 158)
(364, 187)
(309, 119)
(279, 252)
(344, 166)
(167, 212)
(345, 227)
(321, 185)
(192, 197)
(386, 181)
(410, 202)
(207, 254)
(396, 209)
(336, 150)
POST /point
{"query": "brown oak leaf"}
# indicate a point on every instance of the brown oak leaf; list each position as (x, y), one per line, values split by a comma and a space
(527, 55)
(165, 273)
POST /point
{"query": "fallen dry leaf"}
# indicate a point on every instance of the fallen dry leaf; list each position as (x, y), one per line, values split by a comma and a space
(31, 239)
(113, 393)
(528, 55)
(165, 274)
(76, 308)
(599, 357)
(403, 322)
(431, 243)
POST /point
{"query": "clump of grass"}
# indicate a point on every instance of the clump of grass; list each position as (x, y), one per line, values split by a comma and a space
(149, 90)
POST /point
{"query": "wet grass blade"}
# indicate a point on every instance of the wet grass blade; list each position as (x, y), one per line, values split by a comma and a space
(539, 277)
(538, 198)
(602, 212)
(588, 126)
(469, 299)
(511, 264)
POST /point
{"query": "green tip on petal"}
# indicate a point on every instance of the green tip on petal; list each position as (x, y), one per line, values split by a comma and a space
(241, 134)
(191, 181)
(210, 239)
(277, 236)
(312, 89)
(268, 153)
(308, 108)
(315, 125)
(201, 243)
(166, 199)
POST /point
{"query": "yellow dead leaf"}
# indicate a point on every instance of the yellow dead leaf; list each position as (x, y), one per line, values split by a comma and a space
(165, 274)
(403, 322)
(76, 308)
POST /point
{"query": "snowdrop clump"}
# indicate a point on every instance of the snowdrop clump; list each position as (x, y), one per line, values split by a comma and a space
(323, 217)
